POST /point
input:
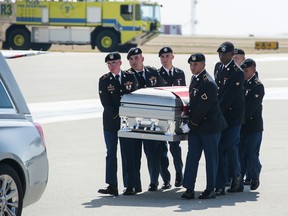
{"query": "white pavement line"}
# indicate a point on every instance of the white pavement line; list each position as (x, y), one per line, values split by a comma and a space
(270, 58)
(277, 93)
(86, 109)
(66, 110)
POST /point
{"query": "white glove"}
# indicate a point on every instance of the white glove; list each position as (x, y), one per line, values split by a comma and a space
(185, 128)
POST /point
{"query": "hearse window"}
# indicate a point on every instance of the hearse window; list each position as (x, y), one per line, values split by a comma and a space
(6, 105)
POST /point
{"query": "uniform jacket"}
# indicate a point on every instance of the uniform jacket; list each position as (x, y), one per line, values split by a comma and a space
(230, 82)
(205, 116)
(110, 92)
(254, 93)
(178, 78)
(152, 78)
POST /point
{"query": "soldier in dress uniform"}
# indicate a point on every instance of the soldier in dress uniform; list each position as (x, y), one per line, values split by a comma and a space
(147, 77)
(239, 56)
(112, 86)
(251, 130)
(229, 78)
(205, 125)
(172, 76)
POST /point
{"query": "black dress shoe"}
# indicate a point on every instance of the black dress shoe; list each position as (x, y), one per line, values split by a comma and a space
(207, 195)
(153, 187)
(219, 192)
(129, 191)
(138, 190)
(254, 184)
(112, 190)
(236, 185)
(188, 194)
(166, 185)
(179, 180)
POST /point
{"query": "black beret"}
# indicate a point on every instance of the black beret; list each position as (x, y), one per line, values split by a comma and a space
(113, 56)
(165, 50)
(248, 63)
(239, 51)
(226, 47)
(196, 57)
(134, 51)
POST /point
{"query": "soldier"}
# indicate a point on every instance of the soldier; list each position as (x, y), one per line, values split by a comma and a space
(146, 77)
(112, 86)
(230, 80)
(239, 56)
(251, 130)
(172, 76)
(205, 125)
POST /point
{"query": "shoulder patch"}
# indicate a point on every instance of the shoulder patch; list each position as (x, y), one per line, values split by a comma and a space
(206, 78)
(149, 68)
(128, 71)
(257, 81)
(105, 76)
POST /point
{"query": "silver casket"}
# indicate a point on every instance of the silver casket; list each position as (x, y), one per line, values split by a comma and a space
(155, 113)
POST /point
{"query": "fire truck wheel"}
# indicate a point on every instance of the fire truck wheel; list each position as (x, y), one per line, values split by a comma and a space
(107, 41)
(41, 46)
(19, 39)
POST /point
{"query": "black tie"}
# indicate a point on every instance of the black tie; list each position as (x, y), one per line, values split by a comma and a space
(117, 78)
(170, 73)
(193, 79)
(142, 79)
(141, 74)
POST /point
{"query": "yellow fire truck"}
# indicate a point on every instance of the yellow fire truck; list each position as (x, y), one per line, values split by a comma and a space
(107, 25)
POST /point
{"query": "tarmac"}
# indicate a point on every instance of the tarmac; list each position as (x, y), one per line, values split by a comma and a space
(76, 148)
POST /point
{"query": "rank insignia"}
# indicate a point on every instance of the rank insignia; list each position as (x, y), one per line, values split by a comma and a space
(204, 96)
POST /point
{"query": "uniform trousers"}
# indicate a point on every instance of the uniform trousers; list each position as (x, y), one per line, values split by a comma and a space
(176, 153)
(249, 148)
(228, 147)
(196, 144)
(131, 151)
(152, 149)
(111, 140)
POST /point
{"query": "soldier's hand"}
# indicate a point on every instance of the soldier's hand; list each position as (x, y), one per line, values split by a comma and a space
(185, 128)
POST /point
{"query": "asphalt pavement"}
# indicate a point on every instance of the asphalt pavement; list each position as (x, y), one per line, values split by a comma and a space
(76, 148)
